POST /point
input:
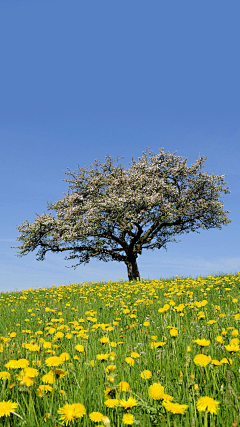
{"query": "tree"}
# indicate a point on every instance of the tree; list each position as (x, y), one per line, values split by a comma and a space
(113, 213)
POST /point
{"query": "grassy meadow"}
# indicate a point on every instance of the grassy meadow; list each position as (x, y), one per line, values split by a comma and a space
(149, 353)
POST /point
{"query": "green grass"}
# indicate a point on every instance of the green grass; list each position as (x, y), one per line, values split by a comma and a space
(84, 313)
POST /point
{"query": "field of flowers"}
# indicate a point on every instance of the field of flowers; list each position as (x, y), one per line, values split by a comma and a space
(159, 352)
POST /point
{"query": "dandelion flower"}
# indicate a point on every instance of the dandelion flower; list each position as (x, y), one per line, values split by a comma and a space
(104, 340)
(53, 361)
(173, 332)
(25, 380)
(64, 356)
(234, 341)
(102, 357)
(232, 348)
(175, 408)
(134, 355)
(59, 335)
(156, 344)
(202, 343)
(111, 403)
(226, 360)
(95, 416)
(124, 386)
(128, 419)
(167, 397)
(146, 374)
(128, 403)
(202, 360)
(30, 372)
(12, 364)
(7, 407)
(4, 375)
(111, 368)
(60, 373)
(79, 348)
(207, 404)
(70, 412)
(130, 361)
(219, 339)
(156, 391)
(43, 388)
(48, 378)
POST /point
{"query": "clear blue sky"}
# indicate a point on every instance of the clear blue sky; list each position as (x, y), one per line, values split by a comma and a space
(83, 79)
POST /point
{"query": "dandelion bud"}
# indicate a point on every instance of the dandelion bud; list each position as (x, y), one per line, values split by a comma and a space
(196, 387)
(106, 421)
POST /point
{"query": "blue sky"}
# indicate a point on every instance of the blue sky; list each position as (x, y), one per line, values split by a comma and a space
(80, 80)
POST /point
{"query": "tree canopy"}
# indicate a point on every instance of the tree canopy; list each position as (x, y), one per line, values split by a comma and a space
(113, 213)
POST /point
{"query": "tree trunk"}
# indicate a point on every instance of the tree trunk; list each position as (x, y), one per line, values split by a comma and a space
(132, 269)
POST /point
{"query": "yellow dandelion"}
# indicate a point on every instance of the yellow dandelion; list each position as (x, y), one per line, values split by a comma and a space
(232, 348)
(130, 361)
(129, 403)
(207, 404)
(111, 368)
(146, 374)
(219, 339)
(156, 391)
(202, 343)
(4, 375)
(49, 379)
(53, 361)
(124, 386)
(134, 355)
(167, 397)
(79, 348)
(13, 334)
(96, 417)
(104, 340)
(59, 335)
(7, 407)
(157, 344)
(173, 332)
(70, 412)
(30, 372)
(43, 389)
(102, 357)
(128, 419)
(24, 380)
(174, 408)
(60, 373)
(226, 360)
(64, 356)
(12, 364)
(202, 360)
(111, 403)
(234, 341)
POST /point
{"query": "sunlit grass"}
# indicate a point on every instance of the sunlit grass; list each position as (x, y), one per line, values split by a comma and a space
(115, 354)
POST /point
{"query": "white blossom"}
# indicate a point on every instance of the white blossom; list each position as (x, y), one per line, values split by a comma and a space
(112, 213)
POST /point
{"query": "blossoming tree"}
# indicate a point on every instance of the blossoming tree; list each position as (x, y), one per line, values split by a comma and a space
(113, 213)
